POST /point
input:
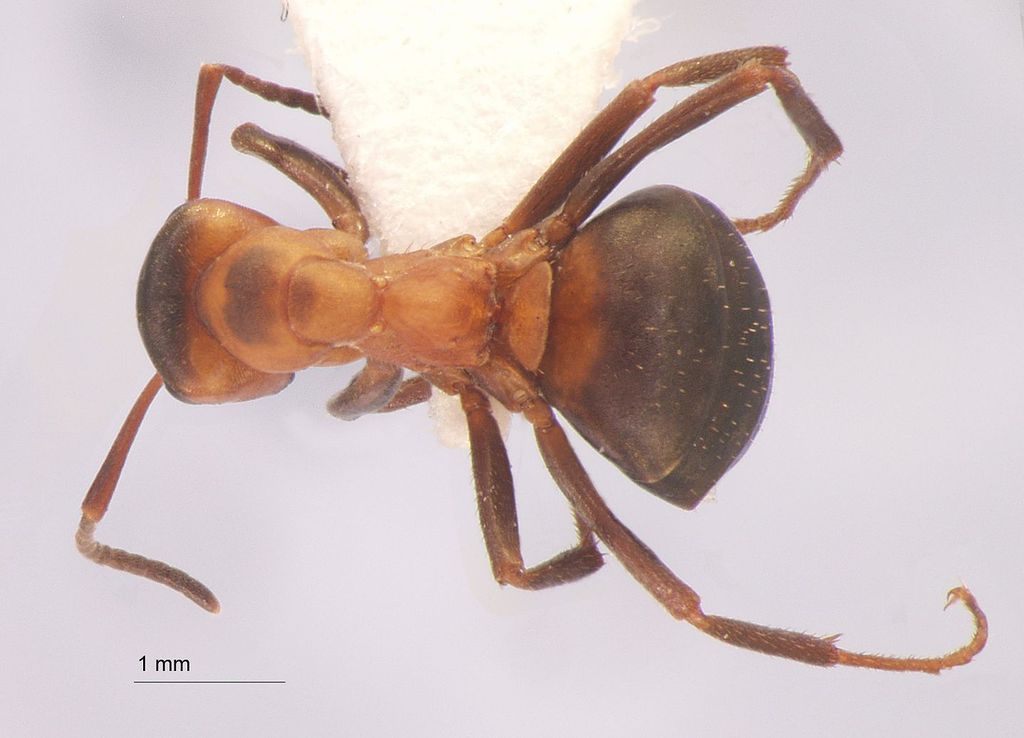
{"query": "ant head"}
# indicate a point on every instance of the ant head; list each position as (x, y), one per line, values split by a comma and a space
(194, 366)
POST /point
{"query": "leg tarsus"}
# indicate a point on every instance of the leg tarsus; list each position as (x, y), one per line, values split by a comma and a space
(823, 146)
(575, 563)
(934, 665)
(797, 188)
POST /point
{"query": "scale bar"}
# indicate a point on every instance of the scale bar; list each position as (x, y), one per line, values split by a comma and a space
(209, 681)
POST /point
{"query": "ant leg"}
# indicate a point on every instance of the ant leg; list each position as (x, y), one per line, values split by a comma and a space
(748, 80)
(411, 392)
(599, 136)
(210, 76)
(595, 141)
(97, 499)
(683, 603)
(371, 389)
(326, 183)
(497, 506)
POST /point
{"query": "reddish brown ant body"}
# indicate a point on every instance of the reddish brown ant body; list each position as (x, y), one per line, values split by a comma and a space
(647, 326)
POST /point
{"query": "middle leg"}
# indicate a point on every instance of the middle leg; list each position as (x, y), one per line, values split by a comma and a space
(497, 505)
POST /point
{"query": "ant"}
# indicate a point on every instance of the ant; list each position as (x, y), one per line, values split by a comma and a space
(647, 326)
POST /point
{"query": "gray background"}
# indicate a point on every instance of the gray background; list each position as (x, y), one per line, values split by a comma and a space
(348, 557)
